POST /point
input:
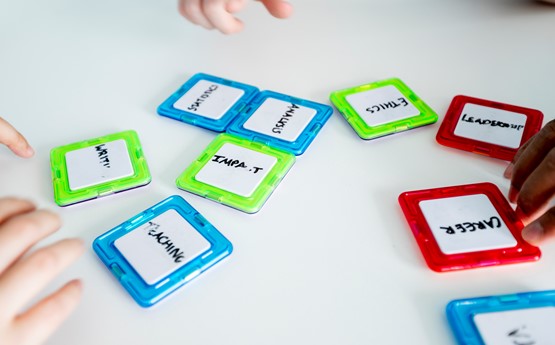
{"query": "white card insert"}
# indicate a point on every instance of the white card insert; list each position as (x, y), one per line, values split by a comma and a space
(98, 164)
(532, 326)
(465, 224)
(209, 99)
(382, 105)
(236, 169)
(161, 246)
(491, 125)
(280, 119)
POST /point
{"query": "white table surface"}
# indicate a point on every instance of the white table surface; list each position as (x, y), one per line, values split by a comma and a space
(330, 258)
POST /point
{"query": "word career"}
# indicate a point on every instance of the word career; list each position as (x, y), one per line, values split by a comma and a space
(389, 105)
(102, 152)
(493, 123)
(205, 95)
(278, 127)
(492, 223)
(234, 163)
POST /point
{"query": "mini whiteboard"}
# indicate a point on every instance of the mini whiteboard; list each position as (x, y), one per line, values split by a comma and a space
(382, 108)
(97, 167)
(489, 128)
(160, 249)
(281, 121)
(208, 101)
(524, 318)
(466, 226)
(236, 172)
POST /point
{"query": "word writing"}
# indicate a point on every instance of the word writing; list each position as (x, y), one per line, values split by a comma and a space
(520, 337)
(102, 152)
(205, 95)
(493, 123)
(492, 223)
(389, 105)
(173, 251)
(234, 163)
(278, 127)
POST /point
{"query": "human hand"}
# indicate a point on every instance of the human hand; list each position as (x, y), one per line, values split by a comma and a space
(23, 276)
(16, 142)
(532, 174)
(219, 14)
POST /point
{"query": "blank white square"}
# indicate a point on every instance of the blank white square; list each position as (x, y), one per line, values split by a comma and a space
(236, 169)
(468, 211)
(209, 99)
(280, 119)
(532, 326)
(98, 164)
(491, 125)
(382, 105)
(161, 246)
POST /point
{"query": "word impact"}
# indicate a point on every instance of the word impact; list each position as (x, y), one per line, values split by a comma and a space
(493, 222)
(278, 127)
(205, 95)
(173, 251)
(234, 163)
(493, 123)
(102, 152)
(389, 105)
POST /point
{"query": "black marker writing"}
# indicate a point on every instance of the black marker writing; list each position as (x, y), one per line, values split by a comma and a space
(173, 251)
(493, 123)
(206, 94)
(519, 336)
(492, 223)
(234, 163)
(102, 152)
(278, 127)
(389, 105)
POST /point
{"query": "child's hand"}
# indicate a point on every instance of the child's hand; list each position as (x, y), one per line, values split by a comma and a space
(10, 137)
(218, 14)
(23, 276)
(532, 175)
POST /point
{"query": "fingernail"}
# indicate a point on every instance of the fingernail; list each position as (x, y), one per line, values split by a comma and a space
(29, 151)
(509, 171)
(533, 233)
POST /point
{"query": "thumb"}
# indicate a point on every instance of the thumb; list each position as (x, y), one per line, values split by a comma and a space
(541, 229)
(278, 8)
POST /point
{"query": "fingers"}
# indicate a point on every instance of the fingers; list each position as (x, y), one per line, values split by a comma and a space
(212, 14)
(539, 187)
(23, 280)
(21, 232)
(509, 170)
(541, 229)
(47, 315)
(192, 10)
(234, 6)
(10, 207)
(216, 12)
(278, 8)
(16, 142)
(531, 157)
